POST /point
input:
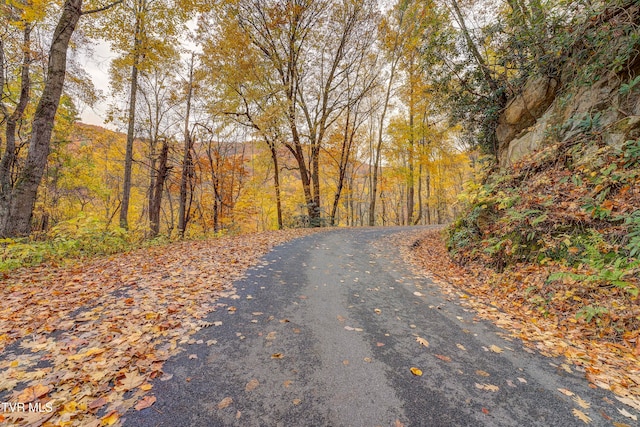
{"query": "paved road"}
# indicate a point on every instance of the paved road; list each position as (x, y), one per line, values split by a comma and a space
(340, 309)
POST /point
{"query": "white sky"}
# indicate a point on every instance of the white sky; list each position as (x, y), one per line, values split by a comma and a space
(97, 66)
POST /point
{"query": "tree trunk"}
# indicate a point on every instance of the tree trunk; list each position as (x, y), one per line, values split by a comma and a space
(156, 200)
(128, 156)
(276, 182)
(187, 162)
(9, 158)
(22, 199)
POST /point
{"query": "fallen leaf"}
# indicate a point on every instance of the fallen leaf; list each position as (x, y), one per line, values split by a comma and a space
(482, 373)
(287, 383)
(193, 356)
(211, 342)
(418, 294)
(30, 394)
(495, 349)
(522, 380)
(398, 423)
(110, 419)
(488, 387)
(277, 356)
(145, 402)
(417, 372)
(146, 387)
(251, 385)
(225, 402)
(566, 392)
(461, 347)
(422, 341)
(296, 401)
(367, 359)
(627, 414)
(131, 380)
(98, 403)
(634, 403)
(444, 358)
(345, 362)
(485, 411)
(566, 368)
(581, 402)
(581, 416)
(379, 344)
(616, 424)
(377, 311)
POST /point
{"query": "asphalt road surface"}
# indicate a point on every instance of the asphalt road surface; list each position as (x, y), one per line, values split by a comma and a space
(324, 333)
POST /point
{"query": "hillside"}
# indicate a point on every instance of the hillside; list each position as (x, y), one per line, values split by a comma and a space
(553, 228)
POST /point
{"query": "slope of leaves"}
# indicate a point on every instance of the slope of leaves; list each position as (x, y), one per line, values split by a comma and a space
(569, 215)
(84, 340)
(505, 298)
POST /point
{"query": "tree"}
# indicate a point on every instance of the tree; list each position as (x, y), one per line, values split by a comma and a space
(187, 161)
(144, 33)
(17, 202)
(306, 48)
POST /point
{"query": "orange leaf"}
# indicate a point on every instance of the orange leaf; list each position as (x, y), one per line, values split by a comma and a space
(145, 402)
(30, 394)
(225, 402)
(441, 357)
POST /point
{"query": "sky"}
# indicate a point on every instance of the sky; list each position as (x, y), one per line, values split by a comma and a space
(96, 65)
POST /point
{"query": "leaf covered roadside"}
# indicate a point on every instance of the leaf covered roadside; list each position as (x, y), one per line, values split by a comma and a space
(85, 340)
(502, 298)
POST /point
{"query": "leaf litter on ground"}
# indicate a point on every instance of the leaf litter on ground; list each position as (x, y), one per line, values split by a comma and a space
(87, 338)
(498, 297)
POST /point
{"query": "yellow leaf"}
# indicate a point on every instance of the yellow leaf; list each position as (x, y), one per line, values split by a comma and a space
(488, 387)
(422, 341)
(566, 392)
(627, 414)
(277, 356)
(110, 419)
(417, 372)
(581, 416)
(495, 349)
(582, 403)
(146, 387)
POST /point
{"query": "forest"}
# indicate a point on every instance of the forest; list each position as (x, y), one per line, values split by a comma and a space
(227, 117)
(235, 116)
